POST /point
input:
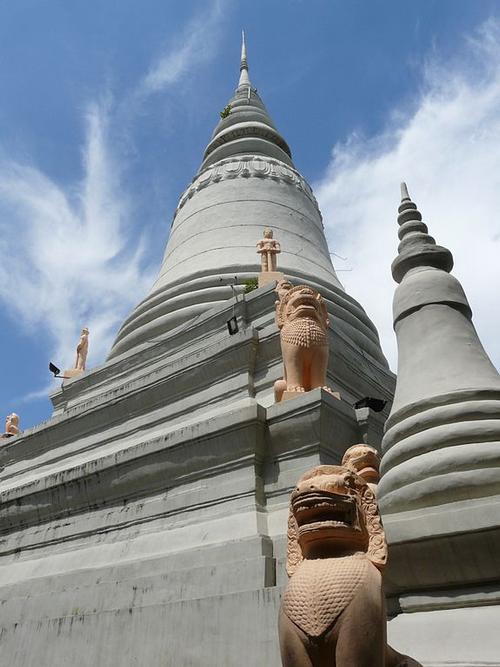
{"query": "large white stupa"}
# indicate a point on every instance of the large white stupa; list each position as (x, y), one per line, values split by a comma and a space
(247, 181)
(145, 522)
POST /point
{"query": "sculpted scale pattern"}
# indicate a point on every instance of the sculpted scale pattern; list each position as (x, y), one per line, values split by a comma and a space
(318, 593)
(304, 333)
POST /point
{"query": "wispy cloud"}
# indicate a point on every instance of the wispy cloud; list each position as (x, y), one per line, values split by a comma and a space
(197, 43)
(447, 151)
(70, 264)
(78, 258)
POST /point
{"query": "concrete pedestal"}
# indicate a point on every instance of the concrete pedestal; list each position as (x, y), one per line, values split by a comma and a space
(267, 277)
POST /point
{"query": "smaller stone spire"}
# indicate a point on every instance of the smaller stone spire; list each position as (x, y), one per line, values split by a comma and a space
(441, 458)
(404, 192)
(244, 80)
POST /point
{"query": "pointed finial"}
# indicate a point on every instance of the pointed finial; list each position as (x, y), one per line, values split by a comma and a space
(404, 192)
(416, 248)
(244, 80)
(244, 62)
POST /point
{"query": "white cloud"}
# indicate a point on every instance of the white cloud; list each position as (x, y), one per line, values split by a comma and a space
(447, 149)
(196, 44)
(65, 260)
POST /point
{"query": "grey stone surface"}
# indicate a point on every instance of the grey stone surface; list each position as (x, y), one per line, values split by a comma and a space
(145, 522)
(165, 551)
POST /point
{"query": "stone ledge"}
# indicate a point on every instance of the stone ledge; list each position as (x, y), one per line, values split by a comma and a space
(128, 472)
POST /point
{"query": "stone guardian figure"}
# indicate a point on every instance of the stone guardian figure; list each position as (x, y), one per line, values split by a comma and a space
(11, 425)
(333, 609)
(302, 319)
(268, 248)
(82, 350)
(364, 460)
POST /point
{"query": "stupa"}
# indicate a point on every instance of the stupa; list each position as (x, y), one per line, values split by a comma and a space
(145, 522)
(440, 488)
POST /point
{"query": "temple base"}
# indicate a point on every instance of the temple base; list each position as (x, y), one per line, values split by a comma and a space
(145, 523)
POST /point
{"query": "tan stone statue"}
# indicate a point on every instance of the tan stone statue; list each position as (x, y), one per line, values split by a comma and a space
(333, 609)
(268, 248)
(11, 425)
(302, 319)
(365, 461)
(82, 350)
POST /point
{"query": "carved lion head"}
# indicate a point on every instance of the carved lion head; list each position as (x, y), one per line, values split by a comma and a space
(333, 513)
(299, 301)
(364, 460)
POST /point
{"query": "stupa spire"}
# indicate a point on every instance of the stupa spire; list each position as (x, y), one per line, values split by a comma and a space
(244, 80)
(440, 446)
(245, 126)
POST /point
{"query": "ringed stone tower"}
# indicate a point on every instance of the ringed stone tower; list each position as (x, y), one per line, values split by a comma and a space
(145, 522)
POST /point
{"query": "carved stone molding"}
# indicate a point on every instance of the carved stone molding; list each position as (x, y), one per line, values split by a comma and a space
(247, 166)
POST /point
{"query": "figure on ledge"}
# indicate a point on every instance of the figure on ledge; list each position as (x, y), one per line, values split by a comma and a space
(82, 350)
(333, 609)
(11, 426)
(268, 248)
(302, 319)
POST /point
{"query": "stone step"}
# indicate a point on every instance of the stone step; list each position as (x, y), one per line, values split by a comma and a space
(81, 594)
(218, 631)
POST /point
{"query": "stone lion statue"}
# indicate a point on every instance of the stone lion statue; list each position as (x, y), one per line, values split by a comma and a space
(302, 319)
(364, 460)
(333, 609)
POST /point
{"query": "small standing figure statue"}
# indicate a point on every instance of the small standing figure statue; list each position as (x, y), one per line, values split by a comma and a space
(11, 425)
(268, 248)
(81, 356)
(82, 350)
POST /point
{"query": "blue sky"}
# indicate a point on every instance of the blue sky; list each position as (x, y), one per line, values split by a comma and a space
(107, 107)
